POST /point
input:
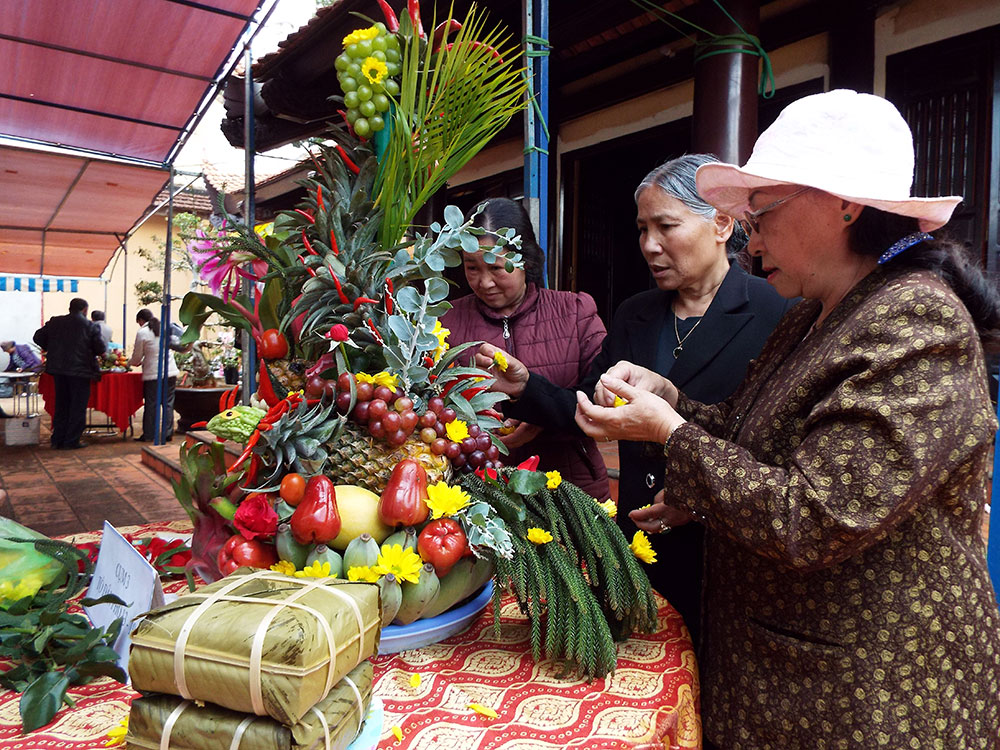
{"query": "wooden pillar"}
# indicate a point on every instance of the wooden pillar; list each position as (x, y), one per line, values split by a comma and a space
(725, 91)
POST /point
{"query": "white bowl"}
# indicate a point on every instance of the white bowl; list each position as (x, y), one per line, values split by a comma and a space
(396, 638)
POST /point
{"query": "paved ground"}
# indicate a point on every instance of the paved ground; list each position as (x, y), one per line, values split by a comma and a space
(64, 492)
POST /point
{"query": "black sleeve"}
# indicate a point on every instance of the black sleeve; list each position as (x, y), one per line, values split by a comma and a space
(97, 344)
(551, 406)
(41, 337)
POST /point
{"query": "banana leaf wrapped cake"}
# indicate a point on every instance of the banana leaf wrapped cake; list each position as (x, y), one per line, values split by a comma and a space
(258, 642)
(160, 721)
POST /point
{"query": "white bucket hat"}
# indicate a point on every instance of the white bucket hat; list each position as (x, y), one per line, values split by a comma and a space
(855, 146)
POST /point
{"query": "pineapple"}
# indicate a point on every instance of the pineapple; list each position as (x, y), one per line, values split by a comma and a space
(355, 457)
(291, 373)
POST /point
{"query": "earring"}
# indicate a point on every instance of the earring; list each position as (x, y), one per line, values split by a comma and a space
(847, 217)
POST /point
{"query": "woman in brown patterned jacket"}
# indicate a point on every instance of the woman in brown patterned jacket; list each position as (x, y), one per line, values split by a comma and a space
(847, 601)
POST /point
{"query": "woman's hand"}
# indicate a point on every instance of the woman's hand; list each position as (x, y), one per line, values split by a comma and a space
(658, 517)
(522, 434)
(513, 380)
(644, 416)
(637, 377)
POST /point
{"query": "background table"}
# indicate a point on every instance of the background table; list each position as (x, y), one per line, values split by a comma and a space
(117, 394)
(22, 383)
(650, 701)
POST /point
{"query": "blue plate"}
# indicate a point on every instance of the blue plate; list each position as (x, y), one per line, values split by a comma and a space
(396, 638)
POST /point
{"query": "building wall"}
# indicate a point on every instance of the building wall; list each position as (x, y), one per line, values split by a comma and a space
(110, 293)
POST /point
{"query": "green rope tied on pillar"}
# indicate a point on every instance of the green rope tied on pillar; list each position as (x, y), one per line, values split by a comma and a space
(536, 46)
(719, 44)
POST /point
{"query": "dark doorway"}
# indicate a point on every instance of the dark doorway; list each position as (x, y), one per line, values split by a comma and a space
(948, 93)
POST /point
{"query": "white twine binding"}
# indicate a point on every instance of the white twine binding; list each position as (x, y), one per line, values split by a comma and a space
(326, 727)
(361, 703)
(240, 730)
(168, 725)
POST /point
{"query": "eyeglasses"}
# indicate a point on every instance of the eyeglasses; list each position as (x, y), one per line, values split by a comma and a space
(751, 222)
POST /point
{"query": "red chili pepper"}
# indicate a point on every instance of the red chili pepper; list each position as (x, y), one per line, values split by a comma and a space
(441, 32)
(199, 425)
(222, 400)
(374, 330)
(310, 272)
(252, 470)
(428, 361)
(333, 243)
(306, 214)
(234, 394)
(391, 22)
(319, 198)
(347, 160)
(264, 387)
(340, 291)
(388, 283)
(413, 7)
(245, 454)
(308, 244)
(361, 300)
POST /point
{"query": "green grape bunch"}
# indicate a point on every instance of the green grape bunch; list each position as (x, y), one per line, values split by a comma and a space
(368, 71)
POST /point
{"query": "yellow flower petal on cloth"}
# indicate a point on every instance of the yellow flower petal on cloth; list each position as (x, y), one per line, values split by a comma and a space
(415, 680)
(479, 708)
(642, 549)
(397, 733)
(555, 479)
(539, 536)
(117, 735)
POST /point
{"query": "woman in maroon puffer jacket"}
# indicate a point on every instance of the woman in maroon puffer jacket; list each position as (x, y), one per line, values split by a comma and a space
(556, 334)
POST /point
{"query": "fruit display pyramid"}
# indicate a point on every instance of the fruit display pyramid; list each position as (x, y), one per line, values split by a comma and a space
(370, 446)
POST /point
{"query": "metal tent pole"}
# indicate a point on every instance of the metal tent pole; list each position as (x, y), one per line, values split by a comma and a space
(125, 296)
(536, 136)
(162, 370)
(249, 347)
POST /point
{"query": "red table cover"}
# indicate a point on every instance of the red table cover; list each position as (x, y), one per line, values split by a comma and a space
(117, 394)
(651, 701)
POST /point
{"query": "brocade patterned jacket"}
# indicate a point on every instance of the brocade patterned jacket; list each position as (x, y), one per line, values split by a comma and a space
(847, 601)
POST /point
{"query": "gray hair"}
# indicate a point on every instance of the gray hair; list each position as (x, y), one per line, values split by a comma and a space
(676, 178)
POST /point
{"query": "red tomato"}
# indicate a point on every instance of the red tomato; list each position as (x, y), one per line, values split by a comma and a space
(442, 543)
(238, 552)
(293, 488)
(272, 345)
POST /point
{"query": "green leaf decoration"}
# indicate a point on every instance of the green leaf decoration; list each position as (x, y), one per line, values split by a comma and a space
(526, 482)
(42, 699)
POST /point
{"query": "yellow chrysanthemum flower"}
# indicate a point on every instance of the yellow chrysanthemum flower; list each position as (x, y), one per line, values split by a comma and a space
(642, 549)
(359, 35)
(555, 479)
(539, 536)
(500, 360)
(619, 401)
(486, 711)
(446, 500)
(315, 570)
(363, 573)
(457, 430)
(284, 566)
(442, 334)
(117, 735)
(415, 680)
(397, 733)
(380, 378)
(401, 561)
(374, 70)
(609, 507)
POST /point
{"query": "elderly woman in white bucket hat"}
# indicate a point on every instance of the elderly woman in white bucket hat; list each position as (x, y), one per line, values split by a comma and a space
(847, 602)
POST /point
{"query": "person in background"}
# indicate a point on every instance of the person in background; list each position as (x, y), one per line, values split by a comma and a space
(847, 597)
(146, 352)
(555, 333)
(702, 324)
(98, 317)
(71, 344)
(22, 358)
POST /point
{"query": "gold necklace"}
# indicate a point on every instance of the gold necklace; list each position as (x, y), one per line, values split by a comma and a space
(680, 341)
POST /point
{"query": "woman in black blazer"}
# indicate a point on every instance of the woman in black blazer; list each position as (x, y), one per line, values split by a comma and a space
(702, 325)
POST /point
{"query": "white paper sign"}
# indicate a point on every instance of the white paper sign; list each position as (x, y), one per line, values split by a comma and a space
(123, 571)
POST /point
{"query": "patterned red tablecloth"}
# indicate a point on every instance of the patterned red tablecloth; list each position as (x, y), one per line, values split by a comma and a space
(117, 394)
(649, 702)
